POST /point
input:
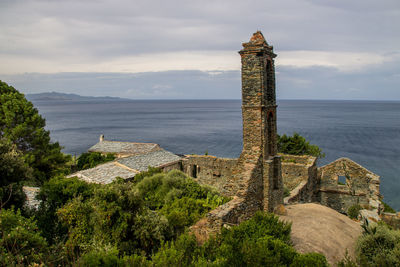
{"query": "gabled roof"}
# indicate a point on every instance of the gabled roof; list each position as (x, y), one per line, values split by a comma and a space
(127, 167)
(153, 159)
(105, 173)
(125, 148)
(350, 163)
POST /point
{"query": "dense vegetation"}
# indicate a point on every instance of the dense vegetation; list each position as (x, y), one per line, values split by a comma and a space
(298, 145)
(379, 246)
(139, 223)
(21, 124)
(260, 241)
(77, 219)
(388, 208)
(13, 172)
(91, 159)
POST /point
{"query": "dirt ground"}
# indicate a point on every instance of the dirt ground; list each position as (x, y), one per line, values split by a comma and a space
(316, 228)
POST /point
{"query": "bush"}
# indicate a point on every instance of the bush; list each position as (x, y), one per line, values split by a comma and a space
(179, 198)
(353, 211)
(150, 172)
(101, 257)
(13, 172)
(309, 260)
(53, 195)
(136, 217)
(20, 240)
(115, 215)
(91, 159)
(379, 246)
(297, 145)
(260, 241)
(388, 208)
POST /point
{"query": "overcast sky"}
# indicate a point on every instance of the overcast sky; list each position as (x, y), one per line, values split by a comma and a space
(331, 49)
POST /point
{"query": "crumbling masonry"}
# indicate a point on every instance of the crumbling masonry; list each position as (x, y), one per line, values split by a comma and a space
(256, 180)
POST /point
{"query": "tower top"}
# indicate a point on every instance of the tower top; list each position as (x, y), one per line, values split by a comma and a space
(258, 39)
(258, 43)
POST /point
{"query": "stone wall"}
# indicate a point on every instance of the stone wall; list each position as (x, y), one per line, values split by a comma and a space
(212, 171)
(360, 186)
(299, 175)
(296, 169)
(256, 178)
(172, 166)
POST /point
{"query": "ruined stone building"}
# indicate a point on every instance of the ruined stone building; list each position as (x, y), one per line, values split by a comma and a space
(256, 180)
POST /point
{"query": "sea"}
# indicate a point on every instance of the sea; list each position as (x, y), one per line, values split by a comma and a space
(367, 132)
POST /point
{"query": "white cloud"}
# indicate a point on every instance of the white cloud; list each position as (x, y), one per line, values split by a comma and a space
(343, 61)
(185, 60)
(211, 61)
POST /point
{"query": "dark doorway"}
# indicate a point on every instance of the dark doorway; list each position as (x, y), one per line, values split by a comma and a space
(194, 171)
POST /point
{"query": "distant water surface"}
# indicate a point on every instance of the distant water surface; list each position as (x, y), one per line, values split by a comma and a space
(368, 132)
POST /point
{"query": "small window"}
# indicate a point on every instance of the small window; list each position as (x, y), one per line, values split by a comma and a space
(341, 180)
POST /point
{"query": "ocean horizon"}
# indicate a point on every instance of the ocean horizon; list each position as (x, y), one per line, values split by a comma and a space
(366, 131)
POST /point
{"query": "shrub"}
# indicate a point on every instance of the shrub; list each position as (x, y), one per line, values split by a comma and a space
(135, 218)
(13, 172)
(353, 211)
(379, 246)
(150, 172)
(297, 145)
(53, 195)
(388, 208)
(91, 159)
(179, 198)
(309, 260)
(100, 257)
(260, 241)
(115, 215)
(20, 240)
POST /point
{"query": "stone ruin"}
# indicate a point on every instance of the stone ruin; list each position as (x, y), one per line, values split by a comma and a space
(256, 180)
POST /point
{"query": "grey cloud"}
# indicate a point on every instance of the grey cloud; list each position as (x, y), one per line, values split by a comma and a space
(98, 31)
(102, 29)
(375, 83)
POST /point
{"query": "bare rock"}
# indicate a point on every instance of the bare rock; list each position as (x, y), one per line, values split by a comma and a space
(316, 228)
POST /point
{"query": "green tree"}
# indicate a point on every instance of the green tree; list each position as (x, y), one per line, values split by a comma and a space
(91, 159)
(298, 145)
(13, 171)
(20, 240)
(21, 124)
(134, 217)
(261, 241)
(53, 195)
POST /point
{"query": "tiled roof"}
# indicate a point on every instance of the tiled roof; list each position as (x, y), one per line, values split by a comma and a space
(31, 193)
(153, 159)
(105, 173)
(127, 148)
(127, 167)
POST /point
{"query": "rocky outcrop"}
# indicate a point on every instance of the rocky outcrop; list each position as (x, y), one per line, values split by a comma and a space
(316, 228)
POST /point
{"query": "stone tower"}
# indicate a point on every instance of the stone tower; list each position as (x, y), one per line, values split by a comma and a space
(259, 166)
(256, 180)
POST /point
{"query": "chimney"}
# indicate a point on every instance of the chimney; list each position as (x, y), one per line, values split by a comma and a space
(101, 139)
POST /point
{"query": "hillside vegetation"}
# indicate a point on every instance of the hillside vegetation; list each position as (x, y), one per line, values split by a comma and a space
(139, 223)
